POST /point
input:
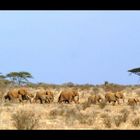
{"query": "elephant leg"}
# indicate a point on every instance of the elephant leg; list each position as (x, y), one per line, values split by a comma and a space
(118, 101)
(13, 99)
(59, 99)
(20, 99)
(41, 101)
(114, 103)
(7, 97)
(66, 101)
(51, 99)
(47, 100)
(76, 101)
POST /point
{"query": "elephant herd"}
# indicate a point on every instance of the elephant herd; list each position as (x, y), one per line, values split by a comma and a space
(112, 97)
(40, 95)
(67, 95)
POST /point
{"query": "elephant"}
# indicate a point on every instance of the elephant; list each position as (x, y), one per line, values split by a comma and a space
(50, 96)
(119, 95)
(111, 97)
(133, 101)
(68, 95)
(44, 96)
(24, 93)
(13, 95)
(18, 94)
(94, 99)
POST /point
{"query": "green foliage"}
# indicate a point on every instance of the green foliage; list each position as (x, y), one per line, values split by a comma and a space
(19, 77)
(135, 71)
(106, 83)
(2, 76)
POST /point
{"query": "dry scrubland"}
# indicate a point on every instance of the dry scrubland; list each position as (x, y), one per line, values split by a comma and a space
(73, 116)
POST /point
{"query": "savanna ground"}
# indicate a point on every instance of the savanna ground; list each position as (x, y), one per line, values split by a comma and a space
(55, 116)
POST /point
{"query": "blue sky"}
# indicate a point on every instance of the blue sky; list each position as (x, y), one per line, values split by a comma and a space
(71, 46)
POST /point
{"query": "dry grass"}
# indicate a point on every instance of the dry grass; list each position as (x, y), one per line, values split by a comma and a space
(102, 105)
(25, 120)
(118, 120)
(136, 122)
(54, 116)
(85, 115)
(124, 114)
(107, 121)
(85, 105)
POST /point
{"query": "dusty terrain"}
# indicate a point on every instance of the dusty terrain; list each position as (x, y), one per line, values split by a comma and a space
(72, 116)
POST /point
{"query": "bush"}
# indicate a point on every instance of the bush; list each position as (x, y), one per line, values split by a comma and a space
(106, 120)
(71, 115)
(85, 105)
(25, 120)
(102, 105)
(85, 119)
(125, 114)
(136, 122)
(118, 120)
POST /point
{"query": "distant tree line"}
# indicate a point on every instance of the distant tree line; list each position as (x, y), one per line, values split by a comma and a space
(23, 77)
(18, 78)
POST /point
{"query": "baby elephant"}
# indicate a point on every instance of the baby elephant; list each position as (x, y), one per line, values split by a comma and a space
(44, 96)
(133, 101)
(68, 95)
(94, 99)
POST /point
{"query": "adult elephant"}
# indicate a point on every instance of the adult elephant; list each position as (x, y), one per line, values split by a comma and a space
(110, 97)
(13, 95)
(44, 96)
(93, 99)
(68, 96)
(119, 95)
(17, 94)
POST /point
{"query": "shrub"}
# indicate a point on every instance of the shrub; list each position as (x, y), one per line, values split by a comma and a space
(85, 105)
(104, 115)
(56, 112)
(118, 120)
(136, 122)
(25, 120)
(102, 105)
(125, 114)
(87, 119)
(106, 120)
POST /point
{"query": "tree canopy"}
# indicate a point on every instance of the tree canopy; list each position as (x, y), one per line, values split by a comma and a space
(19, 77)
(135, 71)
(2, 76)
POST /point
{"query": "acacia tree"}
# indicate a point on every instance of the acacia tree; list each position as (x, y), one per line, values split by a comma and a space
(2, 76)
(19, 77)
(135, 71)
